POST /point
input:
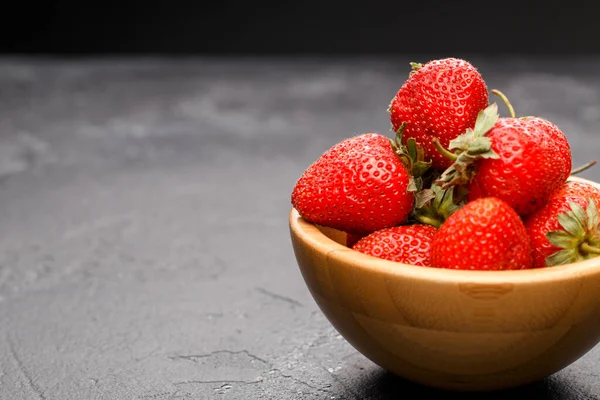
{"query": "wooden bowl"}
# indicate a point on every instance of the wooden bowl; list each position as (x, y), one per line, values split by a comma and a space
(460, 330)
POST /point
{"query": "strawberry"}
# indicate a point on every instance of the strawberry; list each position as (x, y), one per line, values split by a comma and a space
(567, 228)
(519, 160)
(408, 244)
(360, 185)
(440, 99)
(485, 234)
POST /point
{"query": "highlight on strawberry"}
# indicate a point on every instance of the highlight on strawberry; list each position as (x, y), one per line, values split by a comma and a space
(457, 186)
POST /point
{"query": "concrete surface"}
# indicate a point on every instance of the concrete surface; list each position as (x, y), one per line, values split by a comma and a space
(144, 247)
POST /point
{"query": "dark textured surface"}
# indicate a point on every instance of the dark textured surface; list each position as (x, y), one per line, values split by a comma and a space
(144, 248)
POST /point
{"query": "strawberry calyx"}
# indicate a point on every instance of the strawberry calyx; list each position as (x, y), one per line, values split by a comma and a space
(467, 148)
(413, 159)
(580, 238)
(414, 68)
(436, 205)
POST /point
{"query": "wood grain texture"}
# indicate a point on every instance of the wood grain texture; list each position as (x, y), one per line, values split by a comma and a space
(466, 330)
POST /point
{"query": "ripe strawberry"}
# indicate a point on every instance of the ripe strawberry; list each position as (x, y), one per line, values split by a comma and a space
(485, 234)
(440, 99)
(409, 244)
(359, 186)
(519, 160)
(535, 159)
(567, 228)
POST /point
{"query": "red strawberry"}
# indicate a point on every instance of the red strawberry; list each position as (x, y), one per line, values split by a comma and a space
(534, 160)
(440, 99)
(358, 186)
(519, 160)
(486, 234)
(567, 228)
(409, 244)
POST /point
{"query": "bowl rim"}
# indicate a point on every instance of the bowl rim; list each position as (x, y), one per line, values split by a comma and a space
(311, 236)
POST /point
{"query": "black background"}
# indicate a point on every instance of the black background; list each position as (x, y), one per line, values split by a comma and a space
(309, 27)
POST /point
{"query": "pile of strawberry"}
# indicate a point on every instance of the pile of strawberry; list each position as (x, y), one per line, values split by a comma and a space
(458, 186)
